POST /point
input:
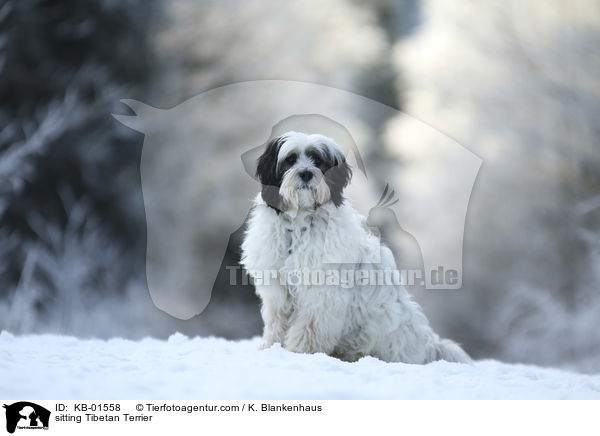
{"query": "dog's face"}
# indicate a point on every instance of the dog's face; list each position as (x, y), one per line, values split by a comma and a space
(300, 171)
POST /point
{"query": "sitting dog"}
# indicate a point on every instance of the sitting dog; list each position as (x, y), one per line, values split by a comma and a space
(301, 222)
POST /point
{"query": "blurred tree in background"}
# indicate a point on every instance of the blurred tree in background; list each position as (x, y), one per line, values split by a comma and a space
(70, 202)
(518, 85)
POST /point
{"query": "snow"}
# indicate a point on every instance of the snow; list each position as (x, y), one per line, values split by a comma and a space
(60, 367)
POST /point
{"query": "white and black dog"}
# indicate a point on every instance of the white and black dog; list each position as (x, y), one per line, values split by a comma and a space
(300, 221)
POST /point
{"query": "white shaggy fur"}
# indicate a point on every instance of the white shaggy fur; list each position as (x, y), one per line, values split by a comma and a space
(348, 323)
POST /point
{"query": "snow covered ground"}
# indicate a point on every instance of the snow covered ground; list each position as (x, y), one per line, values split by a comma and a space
(58, 367)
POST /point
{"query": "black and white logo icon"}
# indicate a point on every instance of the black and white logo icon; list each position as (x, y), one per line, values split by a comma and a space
(26, 415)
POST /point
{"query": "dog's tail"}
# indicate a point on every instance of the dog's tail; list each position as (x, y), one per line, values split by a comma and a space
(452, 352)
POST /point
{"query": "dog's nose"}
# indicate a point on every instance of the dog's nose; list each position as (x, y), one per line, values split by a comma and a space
(306, 175)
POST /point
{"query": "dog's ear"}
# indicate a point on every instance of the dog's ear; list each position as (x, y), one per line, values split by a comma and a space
(337, 178)
(267, 174)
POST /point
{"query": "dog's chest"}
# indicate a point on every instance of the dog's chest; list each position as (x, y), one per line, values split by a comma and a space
(302, 240)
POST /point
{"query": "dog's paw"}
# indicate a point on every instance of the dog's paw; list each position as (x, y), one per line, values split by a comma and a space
(301, 339)
(265, 345)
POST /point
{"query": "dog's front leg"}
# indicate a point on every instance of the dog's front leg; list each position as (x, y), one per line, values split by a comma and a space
(275, 311)
(318, 321)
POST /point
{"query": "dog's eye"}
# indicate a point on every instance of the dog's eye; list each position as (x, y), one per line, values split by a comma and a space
(317, 160)
(291, 159)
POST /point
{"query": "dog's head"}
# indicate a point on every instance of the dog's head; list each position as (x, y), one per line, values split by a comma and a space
(299, 171)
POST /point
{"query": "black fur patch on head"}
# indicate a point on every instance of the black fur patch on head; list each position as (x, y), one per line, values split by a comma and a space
(337, 178)
(269, 177)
